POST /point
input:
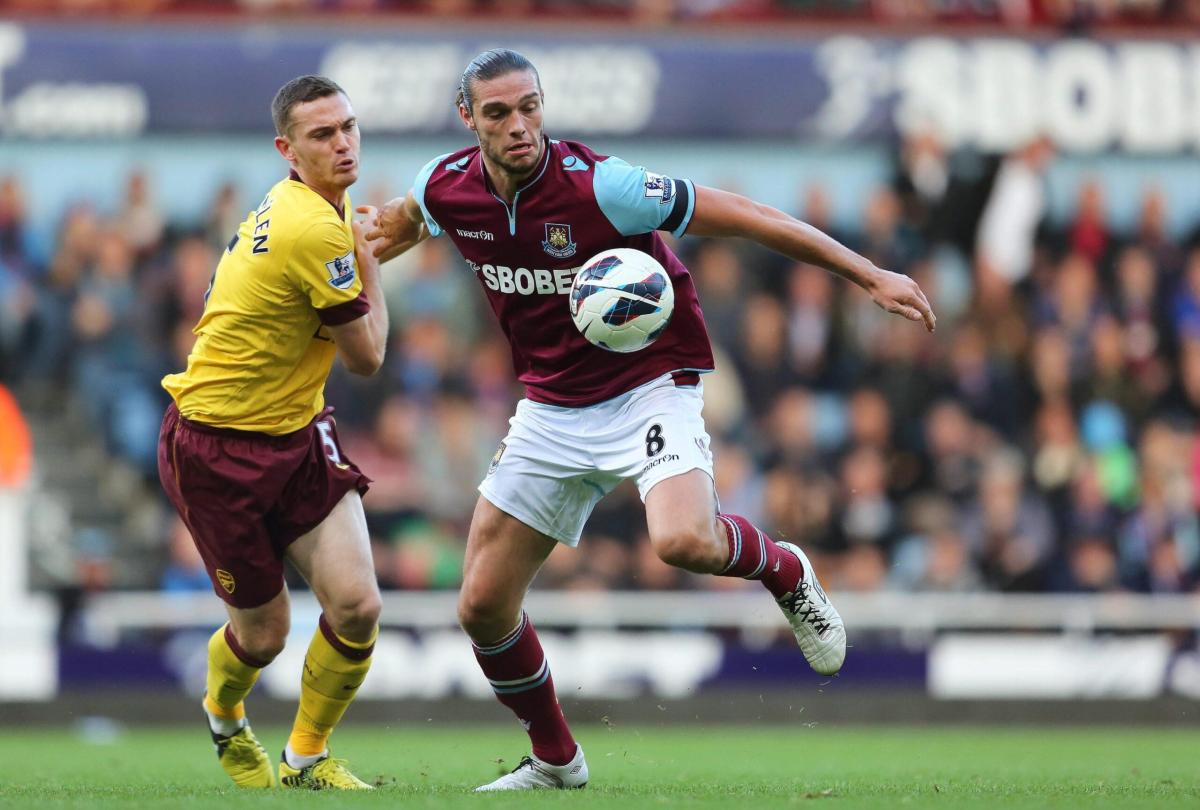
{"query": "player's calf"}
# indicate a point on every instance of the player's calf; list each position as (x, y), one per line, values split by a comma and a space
(519, 674)
(751, 554)
(232, 673)
(334, 668)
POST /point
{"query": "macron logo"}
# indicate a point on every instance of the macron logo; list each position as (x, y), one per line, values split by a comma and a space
(486, 236)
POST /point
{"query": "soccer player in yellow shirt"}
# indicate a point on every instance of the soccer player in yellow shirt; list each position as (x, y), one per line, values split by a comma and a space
(249, 453)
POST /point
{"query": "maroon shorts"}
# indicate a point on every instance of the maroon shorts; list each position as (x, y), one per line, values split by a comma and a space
(245, 497)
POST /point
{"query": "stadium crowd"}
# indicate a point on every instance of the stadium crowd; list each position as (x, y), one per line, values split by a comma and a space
(1043, 439)
(1075, 15)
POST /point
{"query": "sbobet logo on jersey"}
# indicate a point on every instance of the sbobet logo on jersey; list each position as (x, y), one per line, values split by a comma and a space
(524, 281)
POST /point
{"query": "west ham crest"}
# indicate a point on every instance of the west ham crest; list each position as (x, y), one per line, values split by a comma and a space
(496, 458)
(558, 241)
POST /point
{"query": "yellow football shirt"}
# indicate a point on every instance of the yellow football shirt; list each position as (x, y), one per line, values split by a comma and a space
(262, 354)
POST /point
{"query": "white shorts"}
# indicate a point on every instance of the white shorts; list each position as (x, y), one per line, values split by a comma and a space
(557, 463)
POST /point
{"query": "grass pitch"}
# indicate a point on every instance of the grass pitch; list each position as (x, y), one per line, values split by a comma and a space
(100, 766)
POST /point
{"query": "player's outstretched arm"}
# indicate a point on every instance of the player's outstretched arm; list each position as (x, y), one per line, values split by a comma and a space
(363, 341)
(721, 213)
(399, 226)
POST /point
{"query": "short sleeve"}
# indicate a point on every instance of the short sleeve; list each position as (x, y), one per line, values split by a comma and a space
(323, 266)
(418, 190)
(638, 201)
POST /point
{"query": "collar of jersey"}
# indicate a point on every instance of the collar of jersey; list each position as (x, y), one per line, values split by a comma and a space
(294, 176)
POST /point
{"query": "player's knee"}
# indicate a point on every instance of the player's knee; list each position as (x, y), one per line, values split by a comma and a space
(356, 617)
(483, 616)
(691, 550)
(264, 642)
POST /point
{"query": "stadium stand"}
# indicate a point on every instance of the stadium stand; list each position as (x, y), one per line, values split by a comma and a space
(1073, 15)
(1042, 440)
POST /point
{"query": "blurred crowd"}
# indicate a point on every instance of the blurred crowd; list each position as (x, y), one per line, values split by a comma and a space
(1070, 14)
(1043, 439)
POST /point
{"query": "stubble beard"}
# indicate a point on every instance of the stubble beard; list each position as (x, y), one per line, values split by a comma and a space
(515, 172)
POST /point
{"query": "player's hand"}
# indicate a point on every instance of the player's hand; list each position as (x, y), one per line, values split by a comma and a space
(389, 226)
(363, 245)
(902, 296)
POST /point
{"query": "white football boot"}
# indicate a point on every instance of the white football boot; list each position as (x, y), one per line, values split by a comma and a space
(533, 774)
(814, 620)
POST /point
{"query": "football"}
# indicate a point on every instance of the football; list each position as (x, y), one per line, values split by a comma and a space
(622, 300)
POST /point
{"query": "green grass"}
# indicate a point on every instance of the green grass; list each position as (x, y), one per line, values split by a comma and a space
(631, 767)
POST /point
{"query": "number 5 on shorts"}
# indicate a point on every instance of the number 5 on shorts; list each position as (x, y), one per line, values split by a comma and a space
(331, 448)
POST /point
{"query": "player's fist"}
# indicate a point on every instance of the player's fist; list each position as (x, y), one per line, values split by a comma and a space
(386, 224)
(900, 295)
(397, 226)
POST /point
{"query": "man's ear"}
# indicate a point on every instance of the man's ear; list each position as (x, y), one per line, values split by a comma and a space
(284, 148)
(465, 116)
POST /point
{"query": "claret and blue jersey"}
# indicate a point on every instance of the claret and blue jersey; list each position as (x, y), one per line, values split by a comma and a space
(525, 255)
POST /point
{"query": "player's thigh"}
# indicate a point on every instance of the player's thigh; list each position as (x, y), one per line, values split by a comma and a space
(543, 474)
(224, 487)
(335, 557)
(664, 439)
(503, 556)
(682, 505)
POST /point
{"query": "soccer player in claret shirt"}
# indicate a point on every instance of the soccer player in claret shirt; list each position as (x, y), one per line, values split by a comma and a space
(249, 454)
(525, 211)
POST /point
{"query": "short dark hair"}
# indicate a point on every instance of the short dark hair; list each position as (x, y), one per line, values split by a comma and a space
(489, 65)
(298, 91)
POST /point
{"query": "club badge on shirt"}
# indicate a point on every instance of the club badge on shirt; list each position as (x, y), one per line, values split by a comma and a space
(558, 242)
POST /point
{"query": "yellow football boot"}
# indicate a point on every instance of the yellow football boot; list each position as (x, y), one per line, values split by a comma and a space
(325, 773)
(244, 759)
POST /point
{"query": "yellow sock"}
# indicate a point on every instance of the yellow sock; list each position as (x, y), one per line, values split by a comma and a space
(231, 676)
(334, 668)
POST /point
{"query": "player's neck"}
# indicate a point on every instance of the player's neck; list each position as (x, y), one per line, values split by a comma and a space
(333, 196)
(504, 183)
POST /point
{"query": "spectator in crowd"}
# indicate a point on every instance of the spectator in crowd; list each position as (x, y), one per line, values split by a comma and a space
(1008, 527)
(935, 556)
(184, 571)
(1014, 211)
(1088, 235)
(109, 359)
(141, 223)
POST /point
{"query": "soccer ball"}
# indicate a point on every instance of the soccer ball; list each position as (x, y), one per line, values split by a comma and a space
(622, 300)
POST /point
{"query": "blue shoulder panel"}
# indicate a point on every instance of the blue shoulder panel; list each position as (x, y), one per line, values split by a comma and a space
(418, 190)
(637, 201)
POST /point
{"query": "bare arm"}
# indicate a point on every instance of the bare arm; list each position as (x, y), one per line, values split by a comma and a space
(398, 227)
(362, 342)
(721, 213)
